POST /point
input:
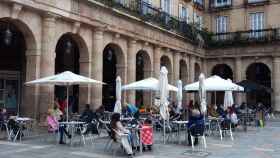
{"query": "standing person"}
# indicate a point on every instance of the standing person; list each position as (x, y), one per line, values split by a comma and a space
(195, 118)
(53, 126)
(56, 112)
(118, 130)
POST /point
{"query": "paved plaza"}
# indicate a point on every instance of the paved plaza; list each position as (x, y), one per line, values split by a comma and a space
(255, 143)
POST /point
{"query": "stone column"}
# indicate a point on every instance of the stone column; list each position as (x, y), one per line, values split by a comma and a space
(97, 66)
(176, 67)
(192, 73)
(157, 61)
(238, 77)
(131, 68)
(84, 91)
(276, 83)
(30, 100)
(47, 63)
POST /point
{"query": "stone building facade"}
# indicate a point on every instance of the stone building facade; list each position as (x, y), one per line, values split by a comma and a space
(94, 39)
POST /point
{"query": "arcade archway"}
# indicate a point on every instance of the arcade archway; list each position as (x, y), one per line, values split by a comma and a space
(113, 60)
(261, 74)
(143, 70)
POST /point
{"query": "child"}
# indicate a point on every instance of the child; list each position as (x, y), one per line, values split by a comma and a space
(147, 134)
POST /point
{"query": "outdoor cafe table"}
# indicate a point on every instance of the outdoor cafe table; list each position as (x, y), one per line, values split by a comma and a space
(179, 125)
(22, 122)
(72, 125)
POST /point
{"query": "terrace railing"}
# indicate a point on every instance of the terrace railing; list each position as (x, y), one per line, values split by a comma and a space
(245, 37)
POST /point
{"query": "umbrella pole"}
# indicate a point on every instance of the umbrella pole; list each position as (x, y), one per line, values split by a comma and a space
(163, 131)
(67, 103)
(215, 98)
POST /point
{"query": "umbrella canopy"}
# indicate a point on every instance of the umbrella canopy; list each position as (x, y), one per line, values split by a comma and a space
(179, 95)
(202, 93)
(66, 78)
(118, 104)
(215, 83)
(228, 99)
(250, 86)
(164, 93)
(147, 84)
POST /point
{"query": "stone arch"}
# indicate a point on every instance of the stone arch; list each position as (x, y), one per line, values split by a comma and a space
(113, 66)
(260, 73)
(223, 70)
(143, 70)
(28, 63)
(166, 61)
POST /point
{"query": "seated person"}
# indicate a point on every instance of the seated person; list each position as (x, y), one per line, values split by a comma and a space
(221, 111)
(118, 133)
(195, 118)
(56, 112)
(212, 111)
(3, 118)
(231, 116)
(53, 125)
(89, 117)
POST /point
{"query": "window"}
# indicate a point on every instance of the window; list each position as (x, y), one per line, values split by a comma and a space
(198, 1)
(256, 23)
(221, 24)
(221, 3)
(198, 21)
(75, 6)
(255, 1)
(183, 13)
(166, 6)
(146, 6)
(221, 27)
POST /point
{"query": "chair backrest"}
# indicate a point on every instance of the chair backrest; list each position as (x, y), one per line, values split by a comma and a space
(197, 129)
(225, 124)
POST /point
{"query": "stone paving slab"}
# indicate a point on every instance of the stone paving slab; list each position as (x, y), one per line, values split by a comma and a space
(256, 143)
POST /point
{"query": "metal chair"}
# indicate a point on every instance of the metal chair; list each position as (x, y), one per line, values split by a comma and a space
(226, 127)
(197, 131)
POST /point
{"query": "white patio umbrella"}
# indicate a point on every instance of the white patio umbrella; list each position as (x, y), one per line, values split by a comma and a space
(118, 104)
(164, 93)
(66, 79)
(228, 98)
(215, 83)
(179, 95)
(148, 84)
(202, 93)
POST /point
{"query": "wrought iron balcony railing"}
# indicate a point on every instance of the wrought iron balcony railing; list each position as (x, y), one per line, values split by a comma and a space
(255, 2)
(245, 37)
(154, 15)
(199, 4)
(216, 5)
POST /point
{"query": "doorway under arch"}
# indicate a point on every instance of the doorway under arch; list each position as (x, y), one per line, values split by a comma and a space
(261, 74)
(12, 66)
(224, 71)
(67, 59)
(143, 70)
(113, 61)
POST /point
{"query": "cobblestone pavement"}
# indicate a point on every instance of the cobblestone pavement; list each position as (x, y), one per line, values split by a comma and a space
(256, 143)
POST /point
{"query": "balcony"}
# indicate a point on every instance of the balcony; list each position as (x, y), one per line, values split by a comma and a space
(198, 4)
(252, 3)
(216, 5)
(245, 37)
(153, 15)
